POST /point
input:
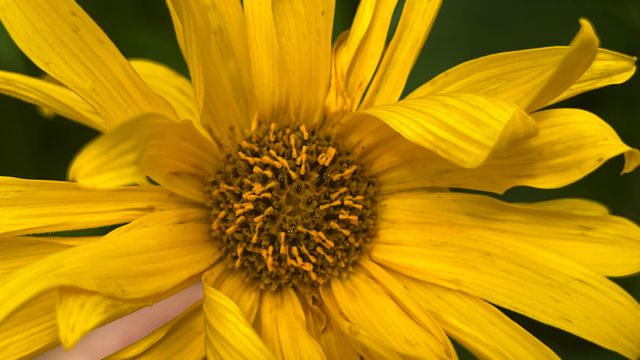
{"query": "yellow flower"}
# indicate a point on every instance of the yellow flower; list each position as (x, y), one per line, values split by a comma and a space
(311, 202)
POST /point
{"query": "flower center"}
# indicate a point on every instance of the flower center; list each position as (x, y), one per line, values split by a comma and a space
(291, 208)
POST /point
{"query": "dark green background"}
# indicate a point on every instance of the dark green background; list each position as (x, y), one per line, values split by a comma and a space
(39, 148)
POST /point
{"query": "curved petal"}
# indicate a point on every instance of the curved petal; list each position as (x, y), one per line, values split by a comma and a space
(475, 324)
(228, 333)
(147, 257)
(267, 66)
(80, 311)
(365, 303)
(31, 330)
(63, 41)
(515, 275)
(171, 85)
(284, 327)
(215, 40)
(608, 245)
(114, 159)
(462, 128)
(180, 338)
(18, 251)
(570, 144)
(56, 98)
(37, 206)
(304, 37)
(608, 68)
(232, 283)
(365, 45)
(530, 79)
(368, 345)
(391, 76)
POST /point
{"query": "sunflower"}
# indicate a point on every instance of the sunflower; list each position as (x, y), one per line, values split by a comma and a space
(313, 204)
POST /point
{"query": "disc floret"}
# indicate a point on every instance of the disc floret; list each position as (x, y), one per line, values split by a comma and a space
(290, 207)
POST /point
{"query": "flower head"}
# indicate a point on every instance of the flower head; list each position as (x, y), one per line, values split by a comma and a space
(311, 201)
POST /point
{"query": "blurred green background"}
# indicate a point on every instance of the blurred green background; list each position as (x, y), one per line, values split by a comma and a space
(39, 148)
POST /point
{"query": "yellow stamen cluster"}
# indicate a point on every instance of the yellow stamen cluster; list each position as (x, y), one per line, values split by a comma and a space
(291, 208)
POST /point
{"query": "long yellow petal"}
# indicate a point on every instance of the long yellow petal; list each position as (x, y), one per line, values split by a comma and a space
(114, 159)
(284, 327)
(532, 78)
(365, 45)
(570, 144)
(608, 245)
(56, 98)
(149, 256)
(475, 324)
(518, 276)
(216, 45)
(180, 338)
(304, 37)
(360, 338)
(31, 330)
(62, 40)
(228, 333)
(36, 206)
(18, 251)
(365, 303)
(464, 129)
(391, 76)
(267, 64)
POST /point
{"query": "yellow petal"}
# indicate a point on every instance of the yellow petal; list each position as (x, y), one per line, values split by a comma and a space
(334, 345)
(232, 283)
(31, 330)
(476, 325)
(608, 245)
(391, 76)
(304, 37)
(417, 311)
(114, 159)
(582, 51)
(69, 240)
(283, 326)
(53, 97)
(177, 28)
(576, 206)
(267, 65)
(337, 104)
(215, 37)
(147, 257)
(63, 41)
(80, 311)
(171, 85)
(464, 129)
(36, 206)
(365, 303)
(365, 45)
(518, 276)
(228, 333)
(608, 68)
(180, 338)
(570, 144)
(366, 343)
(18, 251)
(530, 79)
